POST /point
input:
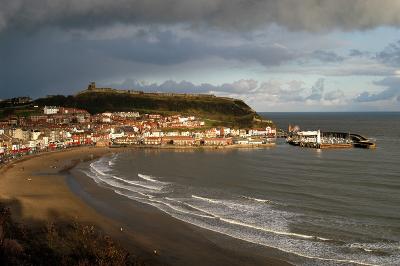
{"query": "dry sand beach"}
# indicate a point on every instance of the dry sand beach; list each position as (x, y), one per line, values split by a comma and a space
(36, 189)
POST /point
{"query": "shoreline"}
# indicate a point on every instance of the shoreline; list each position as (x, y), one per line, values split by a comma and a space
(34, 188)
(5, 165)
(48, 195)
(205, 147)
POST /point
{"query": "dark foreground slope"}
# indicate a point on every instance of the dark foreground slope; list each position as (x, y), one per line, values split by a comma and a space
(60, 243)
(216, 110)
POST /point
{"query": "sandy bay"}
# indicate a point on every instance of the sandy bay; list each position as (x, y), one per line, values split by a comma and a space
(38, 188)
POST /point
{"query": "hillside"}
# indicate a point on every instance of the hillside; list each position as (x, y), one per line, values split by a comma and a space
(216, 110)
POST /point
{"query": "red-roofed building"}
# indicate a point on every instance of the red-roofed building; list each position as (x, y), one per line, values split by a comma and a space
(217, 141)
(179, 140)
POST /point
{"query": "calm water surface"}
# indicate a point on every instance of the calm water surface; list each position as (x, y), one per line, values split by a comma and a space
(328, 207)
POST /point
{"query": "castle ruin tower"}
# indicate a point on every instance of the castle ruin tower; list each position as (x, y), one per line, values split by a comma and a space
(92, 86)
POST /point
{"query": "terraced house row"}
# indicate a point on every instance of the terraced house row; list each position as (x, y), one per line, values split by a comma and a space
(59, 127)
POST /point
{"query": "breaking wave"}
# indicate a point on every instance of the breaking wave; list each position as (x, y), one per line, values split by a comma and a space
(259, 200)
(151, 179)
(243, 217)
(205, 199)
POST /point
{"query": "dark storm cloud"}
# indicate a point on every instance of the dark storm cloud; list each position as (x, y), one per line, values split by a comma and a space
(167, 49)
(308, 15)
(52, 61)
(170, 49)
(37, 65)
(49, 47)
(391, 91)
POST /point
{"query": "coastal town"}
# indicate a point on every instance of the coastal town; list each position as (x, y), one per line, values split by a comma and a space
(57, 127)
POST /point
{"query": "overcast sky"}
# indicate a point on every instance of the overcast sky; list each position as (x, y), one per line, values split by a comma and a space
(277, 55)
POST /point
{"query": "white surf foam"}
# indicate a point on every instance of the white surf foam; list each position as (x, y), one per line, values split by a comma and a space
(231, 221)
(239, 235)
(139, 184)
(206, 199)
(103, 180)
(206, 213)
(97, 169)
(151, 179)
(99, 174)
(375, 247)
(181, 210)
(129, 196)
(113, 159)
(220, 219)
(246, 224)
(259, 200)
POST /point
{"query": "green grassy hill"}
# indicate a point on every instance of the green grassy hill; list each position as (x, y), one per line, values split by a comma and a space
(19, 111)
(218, 111)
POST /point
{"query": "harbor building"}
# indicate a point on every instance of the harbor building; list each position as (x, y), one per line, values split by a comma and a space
(321, 140)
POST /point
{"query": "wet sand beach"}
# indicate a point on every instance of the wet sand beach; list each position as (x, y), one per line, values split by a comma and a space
(39, 188)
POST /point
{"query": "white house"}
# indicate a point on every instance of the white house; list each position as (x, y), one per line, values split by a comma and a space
(270, 130)
(243, 133)
(185, 133)
(258, 132)
(172, 134)
(32, 144)
(106, 119)
(50, 110)
(127, 114)
(183, 119)
(234, 132)
(35, 134)
(117, 135)
(156, 133)
(227, 131)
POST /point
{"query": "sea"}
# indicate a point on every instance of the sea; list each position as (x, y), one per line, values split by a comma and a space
(321, 207)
